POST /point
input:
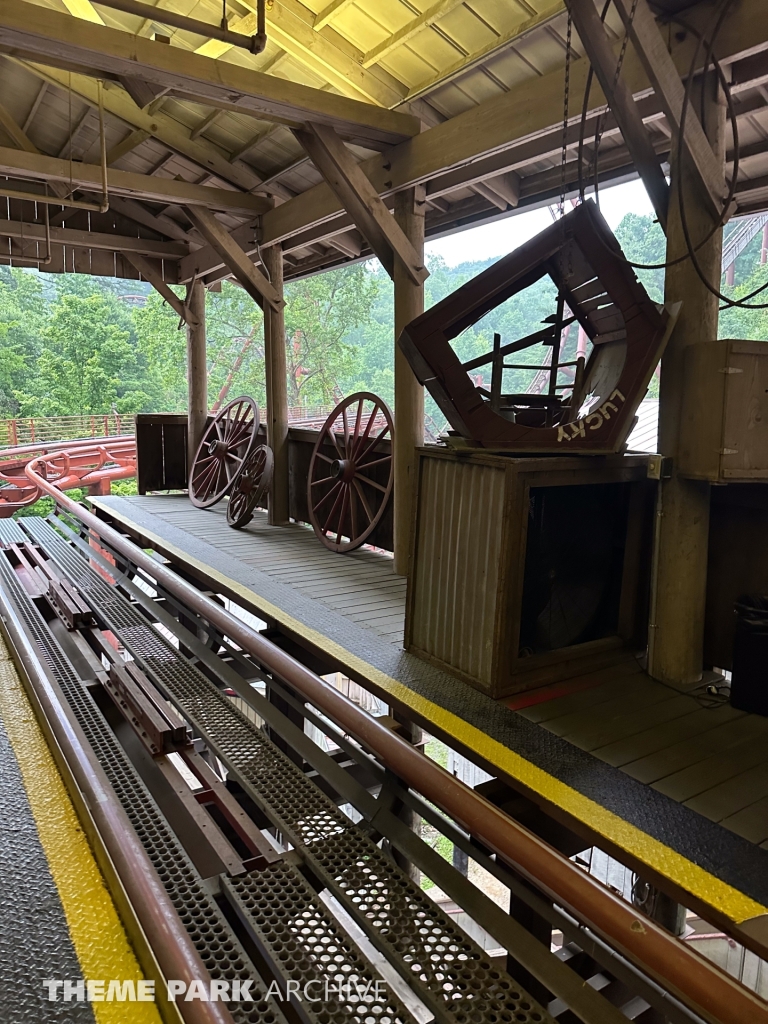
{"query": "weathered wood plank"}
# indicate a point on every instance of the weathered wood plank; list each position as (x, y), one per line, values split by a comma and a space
(693, 750)
(659, 737)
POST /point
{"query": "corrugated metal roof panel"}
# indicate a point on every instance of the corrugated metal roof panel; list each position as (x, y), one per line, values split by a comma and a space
(644, 436)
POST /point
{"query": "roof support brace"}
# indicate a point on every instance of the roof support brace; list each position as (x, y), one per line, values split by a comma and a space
(249, 276)
(595, 41)
(150, 273)
(361, 200)
(660, 68)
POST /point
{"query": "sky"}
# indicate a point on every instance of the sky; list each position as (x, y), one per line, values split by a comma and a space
(499, 238)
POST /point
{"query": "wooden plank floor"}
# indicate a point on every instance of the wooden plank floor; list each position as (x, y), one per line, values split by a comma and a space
(702, 754)
(361, 586)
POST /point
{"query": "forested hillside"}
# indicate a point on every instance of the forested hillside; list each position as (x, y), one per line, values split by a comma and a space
(78, 345)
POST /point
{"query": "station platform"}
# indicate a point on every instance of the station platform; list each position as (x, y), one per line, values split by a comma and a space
(59, 922)
(673, 785)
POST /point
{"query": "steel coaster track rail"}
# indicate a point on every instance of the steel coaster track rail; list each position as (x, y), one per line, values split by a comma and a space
(258, 912)
(585, 1002)
(447, 970)
(697, 983)
(160, 880)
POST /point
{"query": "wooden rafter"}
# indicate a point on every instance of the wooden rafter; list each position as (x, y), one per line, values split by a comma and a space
(39, 167)
(432, 14)
(464, 64)
(249, 276)
(158, 222)
(35, 106)
(528, 116)
(164, 129)
(22, 141)
(16, 134)
(292, 32)
(127, 145)
(361, 201)
(95, 240)
(203, 261)
(329, 12)
(60, 39)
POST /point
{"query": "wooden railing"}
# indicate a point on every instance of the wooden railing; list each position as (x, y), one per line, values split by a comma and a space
(34, 429)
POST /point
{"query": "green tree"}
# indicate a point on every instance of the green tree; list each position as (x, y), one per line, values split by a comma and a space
(89, 364)
(643, 241)
(321, 313)
(23, 315)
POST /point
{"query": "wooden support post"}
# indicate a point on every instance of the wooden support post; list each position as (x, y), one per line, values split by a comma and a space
(409, 394)
(677, 612)
(197, 370)
(277, 387)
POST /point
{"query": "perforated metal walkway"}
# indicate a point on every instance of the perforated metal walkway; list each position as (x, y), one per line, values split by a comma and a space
(709, 867)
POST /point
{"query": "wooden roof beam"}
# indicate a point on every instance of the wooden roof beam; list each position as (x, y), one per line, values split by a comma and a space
(234, 257)
(361, 200)
(532, 113)
(39, 167)
(63, 40)
(127, 244)
(329, 12)
(291, 28)
(127, 145)
(158, 222)
(594, 38)
(22, 141)
(35, 106)
(432, 14)
(167, 131)
(16, 134)
(651, 48)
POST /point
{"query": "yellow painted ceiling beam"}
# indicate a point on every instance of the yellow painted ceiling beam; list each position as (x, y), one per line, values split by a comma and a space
(288, 26)
(477, 56)
(407, 32)
(297, 37)
(329, 12)
(84, 9)
(58, 39)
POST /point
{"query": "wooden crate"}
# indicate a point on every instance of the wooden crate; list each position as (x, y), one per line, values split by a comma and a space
(478, 557)
(161, 452)
(724, 420)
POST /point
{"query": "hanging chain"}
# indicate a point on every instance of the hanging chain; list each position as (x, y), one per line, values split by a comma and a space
(619, 64)
(566, 109)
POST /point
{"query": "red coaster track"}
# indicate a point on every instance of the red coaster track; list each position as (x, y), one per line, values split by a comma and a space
(89, 463)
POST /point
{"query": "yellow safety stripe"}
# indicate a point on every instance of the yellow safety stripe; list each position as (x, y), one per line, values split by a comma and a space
(100, 942)
(705, 886)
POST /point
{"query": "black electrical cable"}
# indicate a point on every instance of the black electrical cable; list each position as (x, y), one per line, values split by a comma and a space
(729, 303)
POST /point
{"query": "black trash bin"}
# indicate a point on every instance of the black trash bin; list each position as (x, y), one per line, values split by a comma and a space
(749, 684)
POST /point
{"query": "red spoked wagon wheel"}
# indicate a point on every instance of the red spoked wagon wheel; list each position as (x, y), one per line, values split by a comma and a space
(250, 487)
(351, 472)
(225, 446)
